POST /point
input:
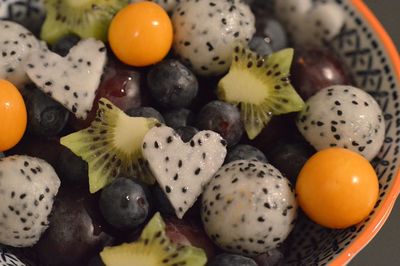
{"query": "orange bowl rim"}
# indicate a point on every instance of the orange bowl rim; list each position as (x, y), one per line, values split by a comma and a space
(387, 205)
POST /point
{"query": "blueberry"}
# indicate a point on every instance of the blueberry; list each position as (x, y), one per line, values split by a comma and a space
(273, 31)
(226, 259)
(222, 118)
(161, 202)
(172, 84)
(186, 133)
(273, 257)
(65, 44)
(46, 117)
(124, 204)
(245, 152)
(260, 45)
(289, 156)
(179, 118)
(71, 168)
(148, 112)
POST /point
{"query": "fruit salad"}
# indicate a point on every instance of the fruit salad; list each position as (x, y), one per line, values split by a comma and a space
(176, 132)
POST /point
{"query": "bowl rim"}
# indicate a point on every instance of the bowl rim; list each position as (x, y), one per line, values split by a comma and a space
(387, 205)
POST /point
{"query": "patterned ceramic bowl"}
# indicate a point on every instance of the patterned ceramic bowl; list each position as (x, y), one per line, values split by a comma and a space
(374, 61)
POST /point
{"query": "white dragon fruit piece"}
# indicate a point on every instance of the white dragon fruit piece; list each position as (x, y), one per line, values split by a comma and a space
(207, 32)
(322, 22)
(16, 43)
(27, 187)
(8, 259)
(183, 169)
(248, 207)
(286, 10)
(343, 116)
(308, 23)
(71, 80)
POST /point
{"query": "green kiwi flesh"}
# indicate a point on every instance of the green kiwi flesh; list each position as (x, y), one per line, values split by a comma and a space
(85, 18)
(153, 248)
(260, 86)
(112, 146)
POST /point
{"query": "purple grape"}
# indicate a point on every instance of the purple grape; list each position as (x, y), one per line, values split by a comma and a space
(315, 69)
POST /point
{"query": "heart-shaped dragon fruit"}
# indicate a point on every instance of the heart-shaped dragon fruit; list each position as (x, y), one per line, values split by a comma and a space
(183, 169)
(71, 80)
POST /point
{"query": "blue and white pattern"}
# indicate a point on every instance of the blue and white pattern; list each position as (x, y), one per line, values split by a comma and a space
(18, 10)
(8, 259)
(358, 46)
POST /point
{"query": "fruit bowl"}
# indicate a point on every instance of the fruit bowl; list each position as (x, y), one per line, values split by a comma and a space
(346, 28)
(374, 64)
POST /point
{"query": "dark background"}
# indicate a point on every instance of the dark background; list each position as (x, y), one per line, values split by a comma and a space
(384, 249)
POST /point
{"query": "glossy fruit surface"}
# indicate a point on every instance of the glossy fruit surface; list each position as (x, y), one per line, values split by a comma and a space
(141, 34)
(315, 69)
(46, 117)
(13, 115)
(172, 84)
(337, 188)
(222, 118)
(124, 204)
(76, 232)
(186, 232)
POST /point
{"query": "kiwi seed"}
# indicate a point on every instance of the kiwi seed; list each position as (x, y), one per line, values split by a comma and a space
(260, 86)
(153, 248)
(85, 18)
(112, 146)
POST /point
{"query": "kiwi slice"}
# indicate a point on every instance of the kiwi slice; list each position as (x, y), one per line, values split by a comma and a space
(112, 146)
(153, 248)
(260, 86)
(85, 18)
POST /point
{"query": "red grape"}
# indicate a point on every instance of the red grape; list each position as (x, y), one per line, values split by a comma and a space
(187, 232)
(121, 85)
(315, 69)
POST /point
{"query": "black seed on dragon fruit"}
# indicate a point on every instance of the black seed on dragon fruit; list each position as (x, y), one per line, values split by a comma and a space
(183, 169)
(343, 116)
(28, 186)
(16, 43)
(72, 80)
(206, 33)
(248, 207)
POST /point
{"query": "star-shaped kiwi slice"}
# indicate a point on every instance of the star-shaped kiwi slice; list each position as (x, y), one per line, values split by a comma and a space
(153, 248)
(112, 146)
(260, 87)
(85, 18)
